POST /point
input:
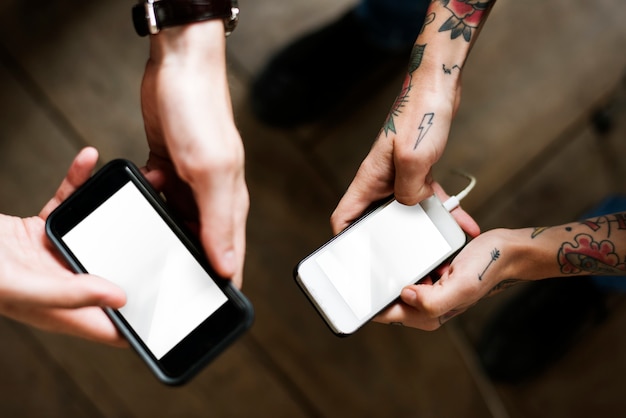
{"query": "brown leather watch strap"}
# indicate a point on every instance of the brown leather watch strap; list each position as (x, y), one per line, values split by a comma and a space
(150, 16)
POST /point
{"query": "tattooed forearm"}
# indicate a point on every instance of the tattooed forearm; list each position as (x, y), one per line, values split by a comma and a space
(610, 223)
(585, 254)
(495, 254)
(465, 17)
(593, 246)
(427, 121)
(616, 222)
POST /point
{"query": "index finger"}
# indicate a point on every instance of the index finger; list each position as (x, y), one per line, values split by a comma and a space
(223, 208)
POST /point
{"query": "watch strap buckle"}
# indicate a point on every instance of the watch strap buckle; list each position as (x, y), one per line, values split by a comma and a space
(151, 19)
(231, 23)
(144, 18)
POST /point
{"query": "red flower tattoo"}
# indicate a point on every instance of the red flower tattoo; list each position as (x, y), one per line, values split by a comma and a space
(591, 256)
(466, 17)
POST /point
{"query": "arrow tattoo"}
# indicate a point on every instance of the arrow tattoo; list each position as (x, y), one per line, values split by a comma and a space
(495, 254)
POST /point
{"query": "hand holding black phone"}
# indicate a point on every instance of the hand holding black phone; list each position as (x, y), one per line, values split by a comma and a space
(179, 314)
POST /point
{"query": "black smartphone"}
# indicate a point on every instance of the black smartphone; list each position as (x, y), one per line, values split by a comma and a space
(179, 314)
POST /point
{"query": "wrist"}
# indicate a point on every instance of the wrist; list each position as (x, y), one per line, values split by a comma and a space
(437, 83)
(189, 61)
(449, 32)
(534, 259)
(513, 256)
(200, 41)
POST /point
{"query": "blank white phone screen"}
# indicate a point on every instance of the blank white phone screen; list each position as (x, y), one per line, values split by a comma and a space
(371, 263)
(168, 293)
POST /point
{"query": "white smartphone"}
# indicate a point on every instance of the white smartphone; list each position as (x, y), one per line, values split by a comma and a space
(363, 269)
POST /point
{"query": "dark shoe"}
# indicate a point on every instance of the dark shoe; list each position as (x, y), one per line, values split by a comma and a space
(310, 77)
(537, 327)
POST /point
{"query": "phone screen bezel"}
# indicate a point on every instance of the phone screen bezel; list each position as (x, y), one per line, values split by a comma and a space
(209, 338)
(331, 306)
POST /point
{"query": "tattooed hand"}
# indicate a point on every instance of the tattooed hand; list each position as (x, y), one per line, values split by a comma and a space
(415, 132)
(482, 268)
(401, 313)
(399, 163)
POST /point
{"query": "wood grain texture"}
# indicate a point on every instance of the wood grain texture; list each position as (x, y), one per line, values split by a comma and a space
(69, 76)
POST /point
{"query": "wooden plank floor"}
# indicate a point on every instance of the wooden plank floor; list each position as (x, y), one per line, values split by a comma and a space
(69, 76)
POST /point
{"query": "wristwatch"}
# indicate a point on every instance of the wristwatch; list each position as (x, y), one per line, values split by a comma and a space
(150, 16)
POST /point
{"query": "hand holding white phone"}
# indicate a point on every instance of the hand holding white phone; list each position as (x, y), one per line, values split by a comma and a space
(363, 269)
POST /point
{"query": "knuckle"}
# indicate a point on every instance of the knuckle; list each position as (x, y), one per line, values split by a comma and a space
(201, 164)
(405, 155)
(431, 309)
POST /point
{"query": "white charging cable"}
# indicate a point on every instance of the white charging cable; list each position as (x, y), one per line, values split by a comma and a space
(453, 202)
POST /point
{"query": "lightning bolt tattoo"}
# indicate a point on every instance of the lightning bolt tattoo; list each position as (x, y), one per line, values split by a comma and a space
(425, 124)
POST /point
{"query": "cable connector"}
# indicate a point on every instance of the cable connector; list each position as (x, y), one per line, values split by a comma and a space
(453, 202)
